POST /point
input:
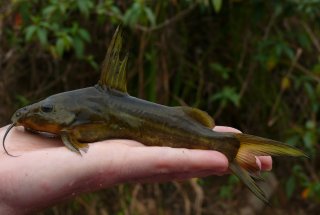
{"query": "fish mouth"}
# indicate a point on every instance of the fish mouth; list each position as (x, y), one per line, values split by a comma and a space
(42, 133)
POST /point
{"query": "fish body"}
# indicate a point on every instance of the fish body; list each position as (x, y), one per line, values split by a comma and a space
(92, 114)
(107, 111)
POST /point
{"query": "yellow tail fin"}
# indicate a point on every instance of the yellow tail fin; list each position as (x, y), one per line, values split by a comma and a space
(245, 162)
(262, 146)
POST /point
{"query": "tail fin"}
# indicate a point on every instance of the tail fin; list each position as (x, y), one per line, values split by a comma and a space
(244, 176)
(245, 161)
(259, 146)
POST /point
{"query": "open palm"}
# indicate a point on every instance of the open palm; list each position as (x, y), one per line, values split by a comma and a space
(46, 172)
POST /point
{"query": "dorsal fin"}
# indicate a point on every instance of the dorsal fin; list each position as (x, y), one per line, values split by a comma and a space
(198, 115)
(113, 74)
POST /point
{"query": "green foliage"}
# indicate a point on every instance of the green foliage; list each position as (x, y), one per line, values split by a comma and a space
(139, 12)
(226, 95)
(220, 70)
(51, 25)
(254, 65)
(217, 4)
(22, 101)
(227, 190)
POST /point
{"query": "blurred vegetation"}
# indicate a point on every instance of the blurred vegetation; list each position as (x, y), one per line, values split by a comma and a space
(253, 64)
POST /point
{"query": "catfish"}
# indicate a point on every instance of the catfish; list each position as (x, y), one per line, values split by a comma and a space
(107, 111)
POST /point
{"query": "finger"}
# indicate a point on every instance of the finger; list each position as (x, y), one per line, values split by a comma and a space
(225, 129)
(167, 162)
(258, 162)
(175, 176)
(266, 162)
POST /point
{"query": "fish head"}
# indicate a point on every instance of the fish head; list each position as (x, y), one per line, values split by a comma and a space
(49, 115)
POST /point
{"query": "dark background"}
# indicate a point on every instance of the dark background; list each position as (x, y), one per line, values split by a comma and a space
(253, 65)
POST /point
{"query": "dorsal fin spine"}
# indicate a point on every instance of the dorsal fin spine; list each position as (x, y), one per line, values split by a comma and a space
(113, 74)
(122, 76)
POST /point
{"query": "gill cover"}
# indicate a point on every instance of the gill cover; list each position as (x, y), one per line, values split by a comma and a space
(113, 77)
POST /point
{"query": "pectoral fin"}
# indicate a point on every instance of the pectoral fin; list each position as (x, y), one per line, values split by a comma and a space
(113, 74)
(72, 143)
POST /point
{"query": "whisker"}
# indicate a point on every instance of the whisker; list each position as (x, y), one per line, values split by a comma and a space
(4, 138)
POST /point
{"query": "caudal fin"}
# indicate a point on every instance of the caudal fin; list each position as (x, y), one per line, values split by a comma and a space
(245, 161)
(244, 176)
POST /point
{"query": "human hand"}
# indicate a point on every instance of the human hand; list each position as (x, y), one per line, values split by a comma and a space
(46, 172)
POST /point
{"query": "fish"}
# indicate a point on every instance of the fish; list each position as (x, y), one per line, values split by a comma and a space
(107, 111)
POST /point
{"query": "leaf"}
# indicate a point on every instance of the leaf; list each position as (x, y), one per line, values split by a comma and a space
(285, 83)
(289, 52)
(233, 180)
(60, 46)
(42, 36)
(308, 139)
(310, 124)
(84, 34)
(220, 69)
(272, 62)
(115, 10)
(92, 62)
(225, 192)
(63, 7)
(290, 186)
(22, 100)
(84, 6)
(48, 11)
(316, 69)
(304, 41)
(78, 47)
(217, 4)
(227, 94)
(132, 15)
(150, 15)
(30, 31)
(53, 52)
(68, 41)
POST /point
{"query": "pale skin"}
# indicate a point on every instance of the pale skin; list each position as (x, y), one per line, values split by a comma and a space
(46, 172)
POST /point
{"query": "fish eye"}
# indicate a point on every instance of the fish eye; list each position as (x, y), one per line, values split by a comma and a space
(47, 108)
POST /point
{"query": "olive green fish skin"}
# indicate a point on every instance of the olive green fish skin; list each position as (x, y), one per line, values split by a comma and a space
(92, 114)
